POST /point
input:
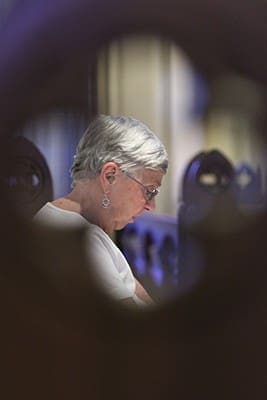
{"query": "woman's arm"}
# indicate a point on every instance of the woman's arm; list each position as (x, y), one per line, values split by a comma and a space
(142, 293)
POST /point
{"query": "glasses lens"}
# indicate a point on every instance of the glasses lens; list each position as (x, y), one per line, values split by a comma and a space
(151, 193)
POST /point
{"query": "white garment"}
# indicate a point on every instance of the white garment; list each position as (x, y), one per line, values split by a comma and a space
(111, 267)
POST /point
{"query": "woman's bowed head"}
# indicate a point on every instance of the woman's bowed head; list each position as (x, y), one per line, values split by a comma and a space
(116, 174)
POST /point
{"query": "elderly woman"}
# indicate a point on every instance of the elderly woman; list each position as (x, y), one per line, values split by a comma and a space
(117, 171)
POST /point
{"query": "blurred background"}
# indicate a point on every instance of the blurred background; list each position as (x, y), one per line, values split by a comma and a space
(211, 123)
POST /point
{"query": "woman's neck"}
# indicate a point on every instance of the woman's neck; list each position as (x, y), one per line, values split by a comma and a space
(66, 203)
(85, 203)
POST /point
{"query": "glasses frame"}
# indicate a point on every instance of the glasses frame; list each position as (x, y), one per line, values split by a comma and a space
(149, 193)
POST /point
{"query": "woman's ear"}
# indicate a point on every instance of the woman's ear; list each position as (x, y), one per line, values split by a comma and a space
(108, 174)
(111, 178)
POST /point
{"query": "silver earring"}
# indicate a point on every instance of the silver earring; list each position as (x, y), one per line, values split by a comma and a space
(105, 201)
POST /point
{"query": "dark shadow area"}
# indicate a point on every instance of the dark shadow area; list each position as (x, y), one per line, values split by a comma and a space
(61, 337)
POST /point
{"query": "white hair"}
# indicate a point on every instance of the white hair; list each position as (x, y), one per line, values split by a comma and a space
(123, 140)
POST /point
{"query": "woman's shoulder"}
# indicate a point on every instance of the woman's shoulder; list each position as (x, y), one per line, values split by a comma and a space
(50, 214)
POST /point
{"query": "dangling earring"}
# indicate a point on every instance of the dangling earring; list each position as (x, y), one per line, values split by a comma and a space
(105, 201)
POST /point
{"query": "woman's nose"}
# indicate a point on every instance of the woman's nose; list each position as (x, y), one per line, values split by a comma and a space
(150, 205)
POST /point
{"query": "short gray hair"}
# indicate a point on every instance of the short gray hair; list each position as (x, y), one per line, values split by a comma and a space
(123, 140)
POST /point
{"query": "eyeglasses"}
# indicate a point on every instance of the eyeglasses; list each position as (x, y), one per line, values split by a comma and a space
(149, 193)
